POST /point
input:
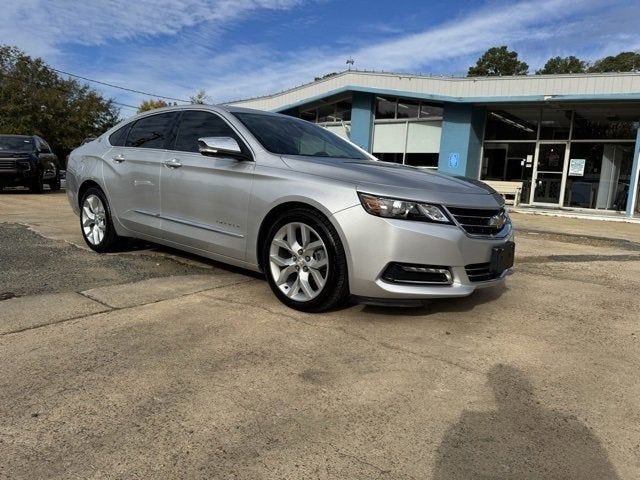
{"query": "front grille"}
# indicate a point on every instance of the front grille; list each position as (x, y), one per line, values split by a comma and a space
(476, 221)
(480, 272)
(7, 164)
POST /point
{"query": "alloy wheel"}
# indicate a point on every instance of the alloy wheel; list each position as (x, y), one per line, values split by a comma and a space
(94, 219)
(298, 261)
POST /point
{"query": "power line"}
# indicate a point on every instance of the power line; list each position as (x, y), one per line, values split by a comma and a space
(118, 86)
(123, 105)
(60, 89)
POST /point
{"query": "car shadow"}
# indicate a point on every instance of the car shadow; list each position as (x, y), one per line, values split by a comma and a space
(132, 245)
(521, 438)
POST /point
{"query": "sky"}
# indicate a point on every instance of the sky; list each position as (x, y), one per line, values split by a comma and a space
(235, 49)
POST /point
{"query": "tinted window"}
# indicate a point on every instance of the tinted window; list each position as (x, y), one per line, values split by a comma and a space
(44, 146)
(385, 108)
(195, 125)
(290, 136)
(16, 144)
(118, 137)
(151, 132)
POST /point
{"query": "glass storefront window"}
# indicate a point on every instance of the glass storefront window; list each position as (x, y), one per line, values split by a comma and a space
(343, 111)
(408, 109)
(309, 115)
(512, 124)
(389, 157)
(430, 111)
(555, 124)
(604, 181)
(327, 113)
(509, 162)
(388, 108)
(422, 159)
(605, 123)
(385, 108)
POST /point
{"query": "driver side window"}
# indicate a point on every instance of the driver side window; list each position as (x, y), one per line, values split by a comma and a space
(198, 124)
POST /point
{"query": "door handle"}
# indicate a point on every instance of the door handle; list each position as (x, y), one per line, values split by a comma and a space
(118, 158)
(173, 163)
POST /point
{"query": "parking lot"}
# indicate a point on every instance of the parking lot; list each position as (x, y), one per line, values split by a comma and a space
(150, 363)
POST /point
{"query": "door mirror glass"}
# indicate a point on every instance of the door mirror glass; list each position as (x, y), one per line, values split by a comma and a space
(220, 146)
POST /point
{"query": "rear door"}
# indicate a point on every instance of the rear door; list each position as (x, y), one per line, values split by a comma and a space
(205, 199)
(132, 172)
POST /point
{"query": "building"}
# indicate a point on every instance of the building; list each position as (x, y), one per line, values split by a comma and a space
(571, 140)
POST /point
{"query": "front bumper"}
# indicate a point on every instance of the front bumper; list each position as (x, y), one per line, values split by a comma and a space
(16, 172)
(373, 242)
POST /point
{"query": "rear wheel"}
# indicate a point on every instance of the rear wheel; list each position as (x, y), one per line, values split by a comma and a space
(304, 261)
(96, 222)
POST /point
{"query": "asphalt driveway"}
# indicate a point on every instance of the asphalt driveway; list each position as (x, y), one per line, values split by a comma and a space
(152, 364)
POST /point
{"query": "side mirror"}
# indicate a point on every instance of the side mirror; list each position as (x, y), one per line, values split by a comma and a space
(221, 147)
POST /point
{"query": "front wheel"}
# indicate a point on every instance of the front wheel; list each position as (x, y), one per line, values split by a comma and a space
(54, 184)
(304, 261)
(37, 185)
(96, 222)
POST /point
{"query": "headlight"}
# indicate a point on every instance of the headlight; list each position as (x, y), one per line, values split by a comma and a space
(394, 208)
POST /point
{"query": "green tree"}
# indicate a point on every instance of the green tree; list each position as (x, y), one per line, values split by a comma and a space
(152, 104)
(568, 64)
(34, 99)
(332, 74)
(201, 98)
(623, 62)
(498, 61)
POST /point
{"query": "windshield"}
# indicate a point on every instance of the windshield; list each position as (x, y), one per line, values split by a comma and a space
(16, 144)
(291, 136)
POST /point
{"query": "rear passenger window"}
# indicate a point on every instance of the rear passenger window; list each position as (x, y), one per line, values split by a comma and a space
(151, 132)
(118, 137)
(195, 125)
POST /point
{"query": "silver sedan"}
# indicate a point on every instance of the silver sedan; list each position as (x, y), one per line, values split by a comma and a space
(323, 219)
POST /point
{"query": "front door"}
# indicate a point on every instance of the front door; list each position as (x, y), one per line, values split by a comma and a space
(205, 200)
(548, 175)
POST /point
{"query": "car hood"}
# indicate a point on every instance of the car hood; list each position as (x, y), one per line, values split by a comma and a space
(402, 181)
(14, 154)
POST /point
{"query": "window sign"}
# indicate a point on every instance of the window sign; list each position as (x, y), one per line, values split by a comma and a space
(576, 167)
(454, 159)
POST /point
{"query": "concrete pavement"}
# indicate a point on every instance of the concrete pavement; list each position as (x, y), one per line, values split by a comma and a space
(216, 379)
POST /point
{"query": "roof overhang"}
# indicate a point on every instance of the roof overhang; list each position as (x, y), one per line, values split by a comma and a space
(480, 90)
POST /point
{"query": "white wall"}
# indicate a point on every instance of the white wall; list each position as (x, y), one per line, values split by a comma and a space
(422, 137)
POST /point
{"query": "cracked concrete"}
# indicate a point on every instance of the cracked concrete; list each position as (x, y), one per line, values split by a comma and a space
(216, 379)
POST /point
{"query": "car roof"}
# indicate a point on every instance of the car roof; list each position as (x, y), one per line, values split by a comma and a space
(15, 136)
(201, 106)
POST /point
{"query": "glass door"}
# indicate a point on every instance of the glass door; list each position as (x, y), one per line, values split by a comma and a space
(548, 175)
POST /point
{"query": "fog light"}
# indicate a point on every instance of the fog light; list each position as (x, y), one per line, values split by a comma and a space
(418, 274)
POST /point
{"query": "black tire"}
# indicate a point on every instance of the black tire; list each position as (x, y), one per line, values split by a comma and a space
(37, 185)
(336, 288)
(54, 185)
(111, 241)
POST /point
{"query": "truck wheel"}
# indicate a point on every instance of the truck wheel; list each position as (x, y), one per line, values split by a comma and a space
(54, 185)
(37, 185)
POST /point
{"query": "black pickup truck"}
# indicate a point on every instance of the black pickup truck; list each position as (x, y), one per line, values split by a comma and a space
(28, 161)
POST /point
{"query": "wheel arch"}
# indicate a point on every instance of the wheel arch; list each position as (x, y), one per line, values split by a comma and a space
(86, 185)
(278, 210)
